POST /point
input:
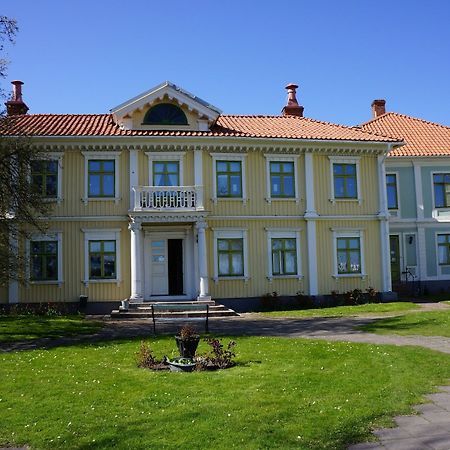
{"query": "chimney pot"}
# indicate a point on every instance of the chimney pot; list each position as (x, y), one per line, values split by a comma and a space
(16, 106)
(378, 108)
(292, 107)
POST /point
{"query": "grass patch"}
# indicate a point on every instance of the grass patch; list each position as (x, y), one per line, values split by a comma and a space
(345, 311)
(429, 323)
(447, 302)
(284, 393)
(24, 327)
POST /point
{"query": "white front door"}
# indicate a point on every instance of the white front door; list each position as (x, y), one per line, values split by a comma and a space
(159, 267)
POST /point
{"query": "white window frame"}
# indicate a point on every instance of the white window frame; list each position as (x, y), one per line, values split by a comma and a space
(58, 157)
(172, 156)
(106, 234)
(349, 233)
(239, 157)
(230, 233)
(50, 236)
(277, 233)
(441, 214)
(115, 156)
(346, 160)
(440, 275)
(277, 158)
(394, 212)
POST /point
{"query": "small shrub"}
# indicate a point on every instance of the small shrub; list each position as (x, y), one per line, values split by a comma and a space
(372, 295)
(269, 301)
(219, 357)
(144, 357)
(354, 297)
(187, 332)
(304, 301)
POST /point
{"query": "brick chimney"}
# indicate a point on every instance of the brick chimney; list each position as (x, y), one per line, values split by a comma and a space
(16, 105)
(378, 108)
(292, 108)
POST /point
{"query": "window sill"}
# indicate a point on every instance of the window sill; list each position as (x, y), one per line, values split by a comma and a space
(229, 199)
(101, 199)
(46, 282)
(283, 199)
(350, 275)
(102, 281)
(243, 278)
(346, 200)
(288, 277)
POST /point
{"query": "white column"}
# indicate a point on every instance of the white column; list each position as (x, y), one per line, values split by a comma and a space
(202, 262)
(310, 217)
(136, 266)
(198, 177)
(13, 288)
(134, 175)
(418, 188)
(421, 242)
(383, 216)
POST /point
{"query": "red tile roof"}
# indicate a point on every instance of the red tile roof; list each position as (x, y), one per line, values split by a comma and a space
(283, 127)
(422, 138)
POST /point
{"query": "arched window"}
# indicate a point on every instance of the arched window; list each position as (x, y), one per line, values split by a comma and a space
(165, 114)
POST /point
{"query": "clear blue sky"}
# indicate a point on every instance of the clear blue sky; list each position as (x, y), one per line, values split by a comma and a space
(79, 56)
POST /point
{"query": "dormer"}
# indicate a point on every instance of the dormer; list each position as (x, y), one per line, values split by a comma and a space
(166, 107)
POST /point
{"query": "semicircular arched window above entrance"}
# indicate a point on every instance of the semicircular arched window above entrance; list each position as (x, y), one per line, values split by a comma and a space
(165, 114)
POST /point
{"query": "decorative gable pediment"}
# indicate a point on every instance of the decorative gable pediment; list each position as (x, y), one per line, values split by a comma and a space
(165, 107)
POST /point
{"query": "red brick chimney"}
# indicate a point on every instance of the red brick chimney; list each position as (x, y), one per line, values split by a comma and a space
(16, 105)
(292, 108)
(378, 108)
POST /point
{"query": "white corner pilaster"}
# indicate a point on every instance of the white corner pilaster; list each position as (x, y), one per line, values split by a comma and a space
(418, 188)
(383, 216)
(136, 266)
(13, 287)
(202, 262)
(134, 175)
(422, 253)
(198, 177)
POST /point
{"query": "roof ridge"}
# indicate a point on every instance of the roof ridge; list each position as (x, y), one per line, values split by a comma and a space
(67, 114)
(406, 116)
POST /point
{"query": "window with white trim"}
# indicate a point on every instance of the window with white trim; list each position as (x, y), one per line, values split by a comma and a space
(348, 254)
(281, 177)
(345, 179)
(283, 256)
(45, 258)
(101, 176)
(392, 191)
(229, 180)
(165, 169)
(101, 255)
(46, 176)
(441, 187)
(230, 254)
(443, 242)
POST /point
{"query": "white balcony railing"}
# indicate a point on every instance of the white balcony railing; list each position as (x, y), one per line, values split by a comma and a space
(157, 198)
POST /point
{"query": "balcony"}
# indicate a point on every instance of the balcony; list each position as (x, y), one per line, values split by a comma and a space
(168, 198)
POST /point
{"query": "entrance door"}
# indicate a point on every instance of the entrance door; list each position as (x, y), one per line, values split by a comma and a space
(175, 260)
(166, 267)
(395, 258)
(159, 267)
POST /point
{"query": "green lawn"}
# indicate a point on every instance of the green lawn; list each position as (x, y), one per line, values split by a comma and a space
(447, 302)
(342, 311)
(18, 328)
(285, 393)
(429, 323)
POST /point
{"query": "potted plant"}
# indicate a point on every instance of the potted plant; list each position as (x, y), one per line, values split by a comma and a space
(187, 341)
(181, 364)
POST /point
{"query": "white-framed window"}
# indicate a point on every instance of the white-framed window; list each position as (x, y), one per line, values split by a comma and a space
(229, 176)
(281, 177)
(44, 253)
(101, 176)
(230, 254)
(348, 247)
(102, 256)
(345, 179)
(165, 169)
(392, 191)
(46, 175)
(283, 254)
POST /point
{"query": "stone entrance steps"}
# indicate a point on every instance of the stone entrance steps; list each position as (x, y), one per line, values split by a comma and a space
(144, 311)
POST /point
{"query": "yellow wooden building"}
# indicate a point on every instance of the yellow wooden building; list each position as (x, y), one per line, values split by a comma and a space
(167, 198)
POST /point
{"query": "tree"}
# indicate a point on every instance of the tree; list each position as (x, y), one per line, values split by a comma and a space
(22, 209)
